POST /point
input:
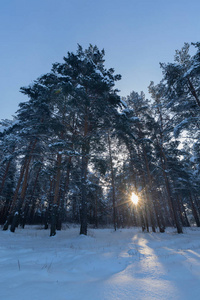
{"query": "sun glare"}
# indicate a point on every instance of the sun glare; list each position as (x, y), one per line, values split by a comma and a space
(134, 198)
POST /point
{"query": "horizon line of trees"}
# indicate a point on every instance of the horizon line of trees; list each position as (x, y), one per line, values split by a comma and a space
(76, 151)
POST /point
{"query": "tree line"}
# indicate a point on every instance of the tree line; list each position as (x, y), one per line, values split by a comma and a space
(75, 150)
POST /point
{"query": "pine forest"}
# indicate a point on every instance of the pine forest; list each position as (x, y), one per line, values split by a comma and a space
(77, 152)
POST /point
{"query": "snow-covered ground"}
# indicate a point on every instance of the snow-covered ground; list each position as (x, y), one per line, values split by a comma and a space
(105, 265)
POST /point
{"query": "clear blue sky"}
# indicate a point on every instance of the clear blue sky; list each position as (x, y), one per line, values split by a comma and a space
(136, 36)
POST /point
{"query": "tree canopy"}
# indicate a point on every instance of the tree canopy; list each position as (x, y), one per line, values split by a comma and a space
(76, 151)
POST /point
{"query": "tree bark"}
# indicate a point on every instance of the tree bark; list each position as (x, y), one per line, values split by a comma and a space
(83, 211)
(170, 197)
(56, 196)
(194, 211)
(113, 183)
(84, 166)
(18, 206)
(13, 204)
(174, 208)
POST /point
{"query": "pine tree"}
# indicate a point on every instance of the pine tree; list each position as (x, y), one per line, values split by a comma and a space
(93, 99)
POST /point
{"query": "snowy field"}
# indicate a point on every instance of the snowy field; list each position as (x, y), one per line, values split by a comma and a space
(105, 265)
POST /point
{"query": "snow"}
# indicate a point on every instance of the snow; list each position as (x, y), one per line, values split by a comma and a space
(124, 104)
(105, 265)
(180, 126)
(6, 124)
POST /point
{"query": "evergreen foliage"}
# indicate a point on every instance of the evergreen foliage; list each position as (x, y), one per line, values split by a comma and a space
(75, 151)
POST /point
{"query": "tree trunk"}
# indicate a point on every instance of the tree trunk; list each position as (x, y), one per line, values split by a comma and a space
(150, 201)
(183, 215)
(159, 216)
(113, 183)
(27, 213)
(56, 196)
(13, 204)
(53, 220)
(170, 197)
(194, 211)
(141, 219)
(83, 210)
(146, 217)
(4, 177)
(84, 166)
(172, 204)
(186, 221)
(174, 208)
(22, 195)
(60, 212)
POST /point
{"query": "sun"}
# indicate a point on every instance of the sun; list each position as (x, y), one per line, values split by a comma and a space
(134, 198)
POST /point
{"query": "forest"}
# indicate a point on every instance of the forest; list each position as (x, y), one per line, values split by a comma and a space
(76, 151)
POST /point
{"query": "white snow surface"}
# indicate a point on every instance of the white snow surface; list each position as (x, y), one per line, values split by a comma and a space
(105, 265)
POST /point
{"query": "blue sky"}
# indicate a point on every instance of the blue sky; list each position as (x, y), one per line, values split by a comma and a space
(136, 36)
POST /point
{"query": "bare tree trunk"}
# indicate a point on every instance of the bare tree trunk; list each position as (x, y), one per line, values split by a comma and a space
(13, 204)
(163, 158)
(170, 197)
(194, 211)
(26, 209)
(60, 210)
(146, 217)
(141, 222)
(18, 207)
(180, 208)
(186, 221)
(47, 215)
(56, 196)
(113, 183)
(83, 211)
(174, 207)
(159, 215)
(150, 200)
(84, 166)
